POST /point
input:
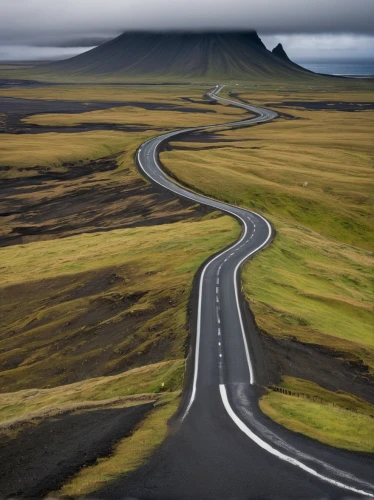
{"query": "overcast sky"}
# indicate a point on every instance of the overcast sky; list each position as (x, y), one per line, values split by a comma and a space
(45, 29)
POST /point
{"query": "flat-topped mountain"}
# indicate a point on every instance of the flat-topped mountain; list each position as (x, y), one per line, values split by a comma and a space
(180, 55)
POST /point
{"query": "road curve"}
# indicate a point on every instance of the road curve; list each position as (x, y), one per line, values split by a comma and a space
(225, 447)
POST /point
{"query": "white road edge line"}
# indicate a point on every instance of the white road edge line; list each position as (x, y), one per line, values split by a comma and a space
(265, 446)
(251, 373)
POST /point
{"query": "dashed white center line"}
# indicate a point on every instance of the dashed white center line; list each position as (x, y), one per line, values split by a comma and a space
(217, 281)
(219, 343)
(220, 355)
(217, 289)
(219, 331)
(217, 299)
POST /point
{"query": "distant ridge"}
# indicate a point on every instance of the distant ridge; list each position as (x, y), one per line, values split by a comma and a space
(174, 55)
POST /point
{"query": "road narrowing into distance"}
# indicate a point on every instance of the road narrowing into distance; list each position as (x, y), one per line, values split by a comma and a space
(222, 356)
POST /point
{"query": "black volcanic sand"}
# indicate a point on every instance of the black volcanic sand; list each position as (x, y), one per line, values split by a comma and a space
(324, 105)
(17, 109)
(33, 208)
(14, 105)
(41, 457)
(7, 83)
(319, 365)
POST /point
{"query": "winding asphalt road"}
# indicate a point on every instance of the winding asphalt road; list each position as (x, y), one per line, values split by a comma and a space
(222, 446)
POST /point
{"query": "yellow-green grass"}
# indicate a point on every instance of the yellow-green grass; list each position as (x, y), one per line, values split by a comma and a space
(131, 115)
(311, 288)
(37, 404)
(97, 304)
(312, 284)
(316, 171)
(330, 421)
(347, 90)
(169, 94)
(127, 455)
(52, 150)
(189, 243)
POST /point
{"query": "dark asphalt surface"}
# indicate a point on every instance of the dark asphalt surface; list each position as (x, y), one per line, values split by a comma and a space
(224, 447)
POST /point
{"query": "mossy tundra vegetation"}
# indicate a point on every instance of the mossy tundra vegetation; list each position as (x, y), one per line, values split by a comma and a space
(310, 173)
(98, 266)
(97, 271)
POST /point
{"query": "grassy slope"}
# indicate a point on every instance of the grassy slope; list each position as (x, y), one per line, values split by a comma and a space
(327, 416)
(127, 287)
(314, 283)
(312, 272)
(27, 152)
(37, 404)
(266, 166)
(316, 290)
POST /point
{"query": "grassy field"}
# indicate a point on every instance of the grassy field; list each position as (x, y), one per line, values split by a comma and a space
(316, 171)
(20, 407)
(131, 115)
(312, 178)
(100, 303)
(309, 172)
(323, 415)
(159, 94)
(26, 153)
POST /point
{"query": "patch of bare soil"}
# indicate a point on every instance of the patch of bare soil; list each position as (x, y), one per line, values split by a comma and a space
(275, 357)
(324, 105)
(15, 110)
(40, 458)
(83, 199)
(312, 362)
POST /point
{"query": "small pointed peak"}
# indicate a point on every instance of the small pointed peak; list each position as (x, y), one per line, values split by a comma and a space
(280, 52)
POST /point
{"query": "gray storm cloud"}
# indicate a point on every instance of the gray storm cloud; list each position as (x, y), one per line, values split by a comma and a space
(46, 22)
(42, 29)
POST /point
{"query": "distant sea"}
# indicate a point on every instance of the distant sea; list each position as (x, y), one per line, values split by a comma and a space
(352, 68)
